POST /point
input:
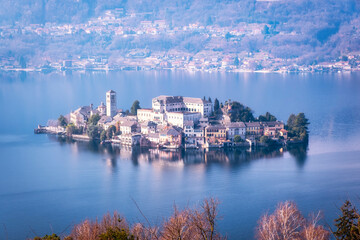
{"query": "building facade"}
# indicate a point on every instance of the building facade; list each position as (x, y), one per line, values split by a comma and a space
(111, 103)
(178, 118)
(235, 128)
(215, 133)
(164, 104)
(80, 116)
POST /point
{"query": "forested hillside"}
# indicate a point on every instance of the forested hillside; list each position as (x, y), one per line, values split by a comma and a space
(284, 32)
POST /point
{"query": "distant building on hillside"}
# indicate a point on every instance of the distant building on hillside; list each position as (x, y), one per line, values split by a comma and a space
(111, 103)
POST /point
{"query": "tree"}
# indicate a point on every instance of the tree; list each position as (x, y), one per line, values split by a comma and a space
(135, 107)
(268, 117)
(48, 237)
(348, 224)
(209, 99)
(291, 121)
(94, 119)
(72, 129)
(116, 233)
(240, 113)
(110, 132)
(93, 132)
(62, 121)
(237, 138)
(268, 141)
(110, 227)
(264, 139)
(205, 221)
(216, 105)
(103, 135)
(236, 61)
(297, 126)
(287, 223)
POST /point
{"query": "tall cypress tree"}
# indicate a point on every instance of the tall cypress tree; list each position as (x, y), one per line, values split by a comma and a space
(216, 105)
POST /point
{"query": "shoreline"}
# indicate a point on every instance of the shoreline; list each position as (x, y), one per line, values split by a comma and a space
(85, 138)
(125, 69)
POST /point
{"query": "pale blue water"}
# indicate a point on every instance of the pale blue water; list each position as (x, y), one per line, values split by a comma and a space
(47, 185)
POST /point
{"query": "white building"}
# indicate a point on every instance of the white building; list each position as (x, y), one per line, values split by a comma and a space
(145, 115)
(129, 139)
(235, 128)
(194, 135)
(165, 104)
(175, 110)
(80, 116)
(128, 127)
(111, 103)
(104, 120)
(178, 118)
(148, 127)
(101, 109)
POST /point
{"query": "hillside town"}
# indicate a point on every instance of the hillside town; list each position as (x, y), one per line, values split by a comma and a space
(119, 37)
(172, 122)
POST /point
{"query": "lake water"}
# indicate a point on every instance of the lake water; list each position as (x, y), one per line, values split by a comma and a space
(46, 185)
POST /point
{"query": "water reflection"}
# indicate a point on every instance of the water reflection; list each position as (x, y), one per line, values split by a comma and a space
(230, 157)
(299, 152)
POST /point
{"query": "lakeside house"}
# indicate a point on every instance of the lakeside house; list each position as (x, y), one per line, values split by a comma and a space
(235, 128)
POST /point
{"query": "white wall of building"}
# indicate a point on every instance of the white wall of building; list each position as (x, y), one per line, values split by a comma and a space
(111, 103)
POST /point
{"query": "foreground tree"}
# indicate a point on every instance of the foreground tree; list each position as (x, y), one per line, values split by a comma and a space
(110, 227)
(135, 107)
(287, 223)
(48, 237)
(348, 224)
(199, 223)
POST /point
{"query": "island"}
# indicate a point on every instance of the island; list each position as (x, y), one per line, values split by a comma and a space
(175, 122)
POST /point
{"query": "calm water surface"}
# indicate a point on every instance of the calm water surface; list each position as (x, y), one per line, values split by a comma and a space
(47, 185)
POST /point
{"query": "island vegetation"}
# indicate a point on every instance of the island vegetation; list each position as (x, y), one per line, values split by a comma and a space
(201, 223)
(297, 126)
